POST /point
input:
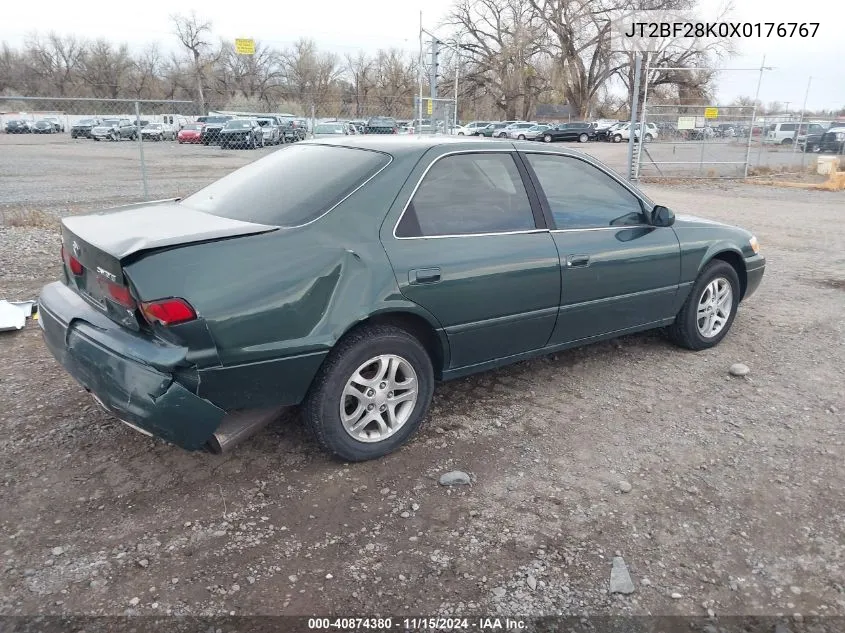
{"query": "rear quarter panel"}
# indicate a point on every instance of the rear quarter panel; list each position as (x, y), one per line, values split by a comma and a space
(275, 304)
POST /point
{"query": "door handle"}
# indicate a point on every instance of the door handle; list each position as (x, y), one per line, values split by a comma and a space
(424, 276)
(574, 261)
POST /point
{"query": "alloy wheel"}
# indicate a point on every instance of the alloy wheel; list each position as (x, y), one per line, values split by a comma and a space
(378, 398)
(714, 307)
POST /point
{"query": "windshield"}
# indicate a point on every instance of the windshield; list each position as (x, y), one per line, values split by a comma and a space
(328, 129)
(110, 122)
(217, 119)
(382, 121)
(265, 122)
(323, 174)
(192, 126)
(154, 126)
(87, 122)
(238, 125)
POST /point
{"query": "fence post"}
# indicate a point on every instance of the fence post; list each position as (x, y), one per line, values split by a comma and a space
(634, 98)
(800, 121)
(141, 150)
(642, 119)
(753, 117)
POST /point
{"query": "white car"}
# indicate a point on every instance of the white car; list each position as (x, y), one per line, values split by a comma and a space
(472, 128)
(515, 129)
(158, 132)
(623, 132)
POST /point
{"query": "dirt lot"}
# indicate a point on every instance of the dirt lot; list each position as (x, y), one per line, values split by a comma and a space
(737, 499)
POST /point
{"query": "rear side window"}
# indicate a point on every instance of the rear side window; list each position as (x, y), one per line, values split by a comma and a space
(468, 194)
(787, 127)
(289, 187)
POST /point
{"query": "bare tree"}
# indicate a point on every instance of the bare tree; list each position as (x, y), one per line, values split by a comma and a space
(106, 69)
(503, 40)
(194, 35)
(55, 61)
(360, 69)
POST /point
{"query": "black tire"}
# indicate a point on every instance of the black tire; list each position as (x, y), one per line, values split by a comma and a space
(684, 331)
(583, 138)
(617, 138)
(522, 137)
(786, 141)
(321, 410)
(547, 138)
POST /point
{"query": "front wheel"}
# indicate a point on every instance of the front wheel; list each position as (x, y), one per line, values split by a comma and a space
(617, 138)
(649, 138)
(522, 137)
(547, 138)
(583, 138)
(710, 308)
(371, 394)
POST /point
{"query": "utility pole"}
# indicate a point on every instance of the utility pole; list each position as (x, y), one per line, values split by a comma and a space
(432, 72)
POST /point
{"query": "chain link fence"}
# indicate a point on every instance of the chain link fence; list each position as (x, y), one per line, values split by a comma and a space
(694, 141)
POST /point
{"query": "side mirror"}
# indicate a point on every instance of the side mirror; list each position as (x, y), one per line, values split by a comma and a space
(662, 216)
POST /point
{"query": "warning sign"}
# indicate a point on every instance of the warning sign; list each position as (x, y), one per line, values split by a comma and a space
(245, 46)
(686, 122)
(711, 113)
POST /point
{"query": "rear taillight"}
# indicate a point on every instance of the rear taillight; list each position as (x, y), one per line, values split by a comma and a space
(119, 294)
(73, 263)
(168, 311)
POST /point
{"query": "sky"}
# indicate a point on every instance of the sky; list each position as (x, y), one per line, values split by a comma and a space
(372, 24)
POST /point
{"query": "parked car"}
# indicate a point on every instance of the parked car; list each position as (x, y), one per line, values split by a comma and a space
(58, 124)
(472, 128)
(336, 296)
(241, 134)
(781, 133)
(581, 132)
(622, 132)
(211, 127)
(809, 136)
(18, 126)
(191, 133)
(82, 129)
(158, 132)
(704, 133)
(725, 130)
(271, 129)
(381, 125)
(293, 129)
(114, 130)
(426, 126)
(492, 129)
(331, 130)
(833, 140)
(606, 134)
(43, 126)
(515, 130)
(534, 133)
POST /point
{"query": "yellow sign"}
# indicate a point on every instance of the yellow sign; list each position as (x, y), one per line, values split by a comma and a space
(430, 106)
(711, 113)
(245, 46)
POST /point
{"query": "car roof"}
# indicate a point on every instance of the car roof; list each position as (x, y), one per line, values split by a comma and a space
(409, 145)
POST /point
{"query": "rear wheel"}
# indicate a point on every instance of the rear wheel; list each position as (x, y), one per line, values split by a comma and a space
(786, 141)
(371, 394)
(710, 308)
(547, 138)
(617, 138)
(521, 137)
(583, 138)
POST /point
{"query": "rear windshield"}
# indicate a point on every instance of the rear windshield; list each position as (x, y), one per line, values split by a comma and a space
(324, 175)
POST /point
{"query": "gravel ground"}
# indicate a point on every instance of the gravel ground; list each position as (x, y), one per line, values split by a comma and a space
(734, 501)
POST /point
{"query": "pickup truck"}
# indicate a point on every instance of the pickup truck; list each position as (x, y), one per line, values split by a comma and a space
(114, 130)
(211, 128)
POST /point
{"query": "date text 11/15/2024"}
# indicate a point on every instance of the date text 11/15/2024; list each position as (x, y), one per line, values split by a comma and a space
(417, 624)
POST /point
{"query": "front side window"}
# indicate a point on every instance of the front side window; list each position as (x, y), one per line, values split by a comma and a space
(468, 194)
(582, 196)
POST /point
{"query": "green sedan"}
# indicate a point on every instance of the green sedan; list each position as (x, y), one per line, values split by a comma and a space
(393, 263)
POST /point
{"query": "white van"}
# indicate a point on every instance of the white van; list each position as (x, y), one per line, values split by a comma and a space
(783, 133)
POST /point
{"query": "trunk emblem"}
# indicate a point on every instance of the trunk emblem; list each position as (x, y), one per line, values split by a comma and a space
(76, 249)
(106, 274)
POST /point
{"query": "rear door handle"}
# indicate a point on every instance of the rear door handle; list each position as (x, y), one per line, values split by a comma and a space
(574, 261)
(424, 276)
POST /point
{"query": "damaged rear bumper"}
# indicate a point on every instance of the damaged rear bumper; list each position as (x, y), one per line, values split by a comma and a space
(131, 376)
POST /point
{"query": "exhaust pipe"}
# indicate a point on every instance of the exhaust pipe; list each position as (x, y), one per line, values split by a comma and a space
(239, 425)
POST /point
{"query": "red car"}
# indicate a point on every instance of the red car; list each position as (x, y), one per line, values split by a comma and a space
(190, 133)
